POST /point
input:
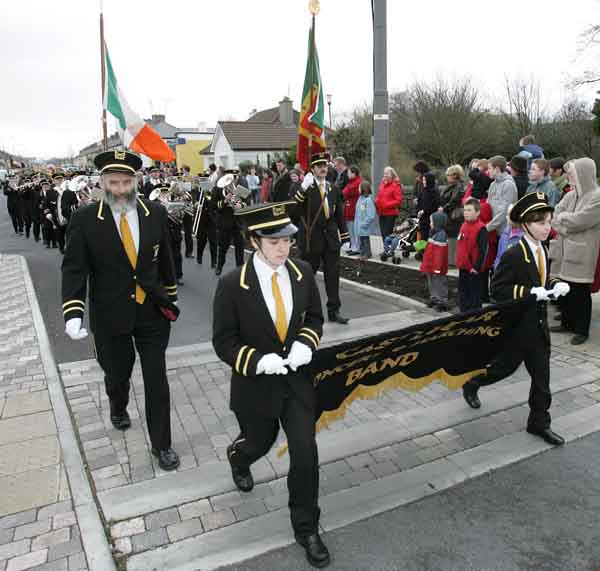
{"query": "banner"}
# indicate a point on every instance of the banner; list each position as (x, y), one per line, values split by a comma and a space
(452, 351)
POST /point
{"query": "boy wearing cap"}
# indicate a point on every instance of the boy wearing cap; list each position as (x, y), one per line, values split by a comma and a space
(267, 323)
(523, 271)
(323, 230)
(121, 246)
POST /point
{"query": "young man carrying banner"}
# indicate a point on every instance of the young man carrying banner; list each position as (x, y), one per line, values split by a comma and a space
(267, 323)
(523, 271)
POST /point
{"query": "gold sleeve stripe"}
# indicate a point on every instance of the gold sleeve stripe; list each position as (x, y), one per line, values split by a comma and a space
(515, 292)
(74, 302)
(311, 333)
(171, 287)
(248, 355)
(522, 291)
(303, 334)
(239, 358)
(65, 311)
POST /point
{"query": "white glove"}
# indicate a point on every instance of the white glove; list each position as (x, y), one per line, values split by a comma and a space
(299, 355)
(271, 364)
(49, 216)
(308, 180)
(561, 288)
(541, 293)
(74, 330)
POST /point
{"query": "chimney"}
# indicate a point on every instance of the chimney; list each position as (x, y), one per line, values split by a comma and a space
(286, 112)
(158, 118)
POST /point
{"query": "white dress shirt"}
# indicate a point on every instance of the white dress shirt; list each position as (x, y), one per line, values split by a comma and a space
(134, 225)
(264, 273)
(533, 246)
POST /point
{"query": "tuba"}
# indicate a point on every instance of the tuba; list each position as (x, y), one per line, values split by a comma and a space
(233, 194)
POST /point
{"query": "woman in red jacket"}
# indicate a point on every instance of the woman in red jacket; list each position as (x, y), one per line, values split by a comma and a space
(351, 192)
(388, 201)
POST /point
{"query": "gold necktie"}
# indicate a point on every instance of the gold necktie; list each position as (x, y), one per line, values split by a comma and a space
(280, 316)
(541, 267)
(140, 294)
(325, 201)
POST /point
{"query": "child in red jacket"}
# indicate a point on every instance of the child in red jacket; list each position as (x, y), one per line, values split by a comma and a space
(471, 250)
(435, 262)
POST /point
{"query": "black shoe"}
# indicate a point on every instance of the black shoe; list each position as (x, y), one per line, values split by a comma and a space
(431, 303)
(579, 339)
(441, 307)
(213, 265)
(48, 246)
(121, 420)
(242, 477)
(180, 281)
(352, 253)
(317, 553)
(560, 329)
(336, 317)
(470, 395)
(167, 458)
(189, 255)
(218, 271)
(547, 434)
(557, 317)
(199, 262)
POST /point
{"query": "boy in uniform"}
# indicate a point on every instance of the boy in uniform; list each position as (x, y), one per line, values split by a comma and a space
(267, 323)
(523, 271)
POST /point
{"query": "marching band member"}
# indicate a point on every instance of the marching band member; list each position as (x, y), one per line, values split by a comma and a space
(154, 181)
(267, 323)
(26, 205)
(121, 245)
(11, 191)
(226, 202)
(188, 213)
(321, 210)
(206, 227)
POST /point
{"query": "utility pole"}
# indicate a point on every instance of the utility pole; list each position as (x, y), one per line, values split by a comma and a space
(380, 148)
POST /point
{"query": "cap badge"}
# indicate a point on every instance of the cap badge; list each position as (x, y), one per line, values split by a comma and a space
(120, 155)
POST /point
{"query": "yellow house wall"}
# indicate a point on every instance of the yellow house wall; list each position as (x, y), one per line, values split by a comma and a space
(188, 154)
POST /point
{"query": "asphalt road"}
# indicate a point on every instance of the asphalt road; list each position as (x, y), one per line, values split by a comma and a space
(538, 515)
(195, 297)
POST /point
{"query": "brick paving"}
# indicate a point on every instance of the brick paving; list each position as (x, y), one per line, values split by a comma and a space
(45, 536)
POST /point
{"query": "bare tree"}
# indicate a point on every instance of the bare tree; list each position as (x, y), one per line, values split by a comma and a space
(444, 122)
(523, 111)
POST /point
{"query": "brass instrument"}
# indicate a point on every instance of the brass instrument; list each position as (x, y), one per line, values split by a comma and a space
(175, 208)
(233, 194)
(205, 186)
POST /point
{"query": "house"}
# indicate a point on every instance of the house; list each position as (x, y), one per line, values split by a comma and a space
(264, 137)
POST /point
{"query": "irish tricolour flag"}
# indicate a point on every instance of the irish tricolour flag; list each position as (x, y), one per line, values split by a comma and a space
(135, 133)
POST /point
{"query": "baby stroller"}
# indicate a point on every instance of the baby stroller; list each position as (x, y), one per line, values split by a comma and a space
(402, 242)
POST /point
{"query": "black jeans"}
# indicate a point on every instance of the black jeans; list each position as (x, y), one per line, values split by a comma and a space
(257, 435)
(116, 356)
(576, 309)
(469, 290)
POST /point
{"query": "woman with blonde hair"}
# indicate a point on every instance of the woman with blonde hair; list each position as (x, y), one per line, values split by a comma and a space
(388, 201)
(451, 206)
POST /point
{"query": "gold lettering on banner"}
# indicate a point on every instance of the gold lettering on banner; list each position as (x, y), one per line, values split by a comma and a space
(378, 366)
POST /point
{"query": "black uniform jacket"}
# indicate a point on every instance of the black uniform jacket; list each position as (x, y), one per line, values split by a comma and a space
(95, 250)
(322, 232)
(517, 273)
(243, 332)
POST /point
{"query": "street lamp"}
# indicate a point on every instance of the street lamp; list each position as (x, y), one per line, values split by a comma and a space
(328, 96)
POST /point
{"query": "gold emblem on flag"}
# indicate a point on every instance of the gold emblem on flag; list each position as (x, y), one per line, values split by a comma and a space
(120, 155)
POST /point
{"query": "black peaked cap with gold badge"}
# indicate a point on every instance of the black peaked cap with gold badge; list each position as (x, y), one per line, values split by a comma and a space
(531, 202)
(270, 219)
(118, 161)
(317, 158)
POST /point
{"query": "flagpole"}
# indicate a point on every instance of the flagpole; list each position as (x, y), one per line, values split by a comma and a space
(103, 72)
(312, 83)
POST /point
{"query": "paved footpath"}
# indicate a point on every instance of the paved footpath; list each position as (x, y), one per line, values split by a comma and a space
(107, 486)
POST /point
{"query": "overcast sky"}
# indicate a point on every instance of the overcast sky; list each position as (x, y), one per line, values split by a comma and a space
(205, 60)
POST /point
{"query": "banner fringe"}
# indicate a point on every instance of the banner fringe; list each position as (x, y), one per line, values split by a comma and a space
(396, 381)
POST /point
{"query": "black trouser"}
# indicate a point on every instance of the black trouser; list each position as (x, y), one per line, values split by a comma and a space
(535, 353)
(207, 231)
(576, 309)
(386, 225)
(177, 259)
(255, 440)
(331, 274)
(48, 234)
(27, 218)
(485, 286)
(188, 224)
(116, 356)
(59, 237)
(469, 290)
(16, 219)
(226, 236)
(36, 229)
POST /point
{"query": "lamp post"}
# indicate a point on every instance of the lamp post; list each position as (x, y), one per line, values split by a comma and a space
(328, 96)
(381, 120)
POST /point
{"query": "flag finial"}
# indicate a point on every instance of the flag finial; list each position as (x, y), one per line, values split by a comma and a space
(314, 7)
